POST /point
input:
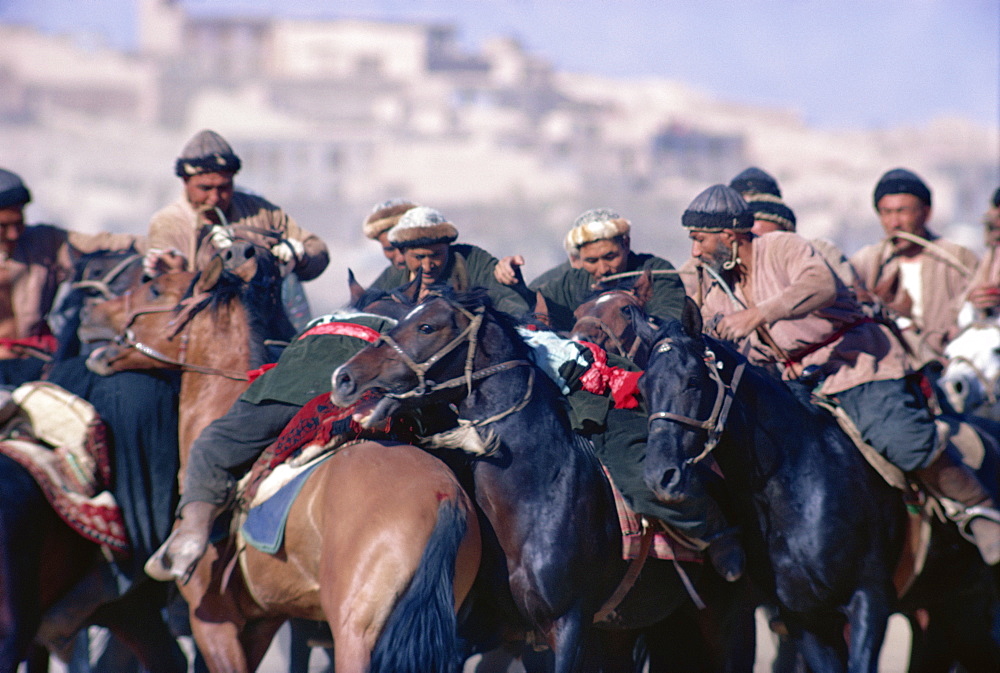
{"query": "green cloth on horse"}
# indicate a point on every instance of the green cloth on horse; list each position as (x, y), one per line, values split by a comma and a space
(305, 366)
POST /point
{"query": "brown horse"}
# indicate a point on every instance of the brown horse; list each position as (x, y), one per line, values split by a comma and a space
(382, 542)
(602, 322)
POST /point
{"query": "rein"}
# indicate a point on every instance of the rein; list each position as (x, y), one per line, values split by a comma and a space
(715, 424)
(187, 309)
(103, 285)
(471, 335)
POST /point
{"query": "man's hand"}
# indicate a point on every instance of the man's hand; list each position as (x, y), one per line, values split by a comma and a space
(737, 325)
(157, 262)
(985, 297)
(507, 272)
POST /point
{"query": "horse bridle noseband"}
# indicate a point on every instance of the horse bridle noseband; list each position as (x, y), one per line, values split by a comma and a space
(715, 424)
(471, 335)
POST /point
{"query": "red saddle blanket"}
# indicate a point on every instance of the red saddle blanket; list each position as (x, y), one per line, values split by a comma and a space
(667, 545)
(95, 515)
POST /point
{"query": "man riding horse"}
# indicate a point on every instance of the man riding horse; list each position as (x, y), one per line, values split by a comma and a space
(775, 295)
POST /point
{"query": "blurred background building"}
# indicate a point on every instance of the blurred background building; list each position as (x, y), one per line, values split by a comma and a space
(332, 116)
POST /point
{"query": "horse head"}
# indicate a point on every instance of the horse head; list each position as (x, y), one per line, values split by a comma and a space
(394, 304)
(973, 371)
(604, 320)
(432, 354)
(684, 394)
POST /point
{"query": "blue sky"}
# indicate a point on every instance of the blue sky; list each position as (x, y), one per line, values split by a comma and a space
(846, 64)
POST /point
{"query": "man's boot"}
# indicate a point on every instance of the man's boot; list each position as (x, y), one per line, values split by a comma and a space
(724, 549)
(176, 558)
(948, 477)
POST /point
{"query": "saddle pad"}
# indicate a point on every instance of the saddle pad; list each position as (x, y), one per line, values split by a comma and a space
(97, 518)
(666, 544)
(264, 526)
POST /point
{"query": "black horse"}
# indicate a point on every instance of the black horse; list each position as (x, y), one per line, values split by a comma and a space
(540, 486)
(823, 530)
(41, 558)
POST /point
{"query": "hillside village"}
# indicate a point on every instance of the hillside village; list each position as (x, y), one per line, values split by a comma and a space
(333, 116)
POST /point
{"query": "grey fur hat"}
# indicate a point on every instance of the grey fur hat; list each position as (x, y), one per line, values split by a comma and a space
(420, 227)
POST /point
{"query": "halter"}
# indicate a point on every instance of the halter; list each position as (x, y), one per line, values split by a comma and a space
(715, 424)
(102, 284)
(617, 341)
(471, 334)
(186, 310)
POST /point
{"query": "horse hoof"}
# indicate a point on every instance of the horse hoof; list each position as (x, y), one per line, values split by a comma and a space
(727, 556)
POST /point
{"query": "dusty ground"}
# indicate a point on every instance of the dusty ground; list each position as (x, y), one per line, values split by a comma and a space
(893, 660)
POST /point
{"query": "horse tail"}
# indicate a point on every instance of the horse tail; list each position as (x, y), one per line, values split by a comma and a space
(420, 634)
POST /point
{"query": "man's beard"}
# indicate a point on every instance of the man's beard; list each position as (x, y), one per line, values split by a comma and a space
(722, 256)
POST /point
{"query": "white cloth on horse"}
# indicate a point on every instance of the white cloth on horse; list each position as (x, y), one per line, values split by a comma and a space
(551, 351)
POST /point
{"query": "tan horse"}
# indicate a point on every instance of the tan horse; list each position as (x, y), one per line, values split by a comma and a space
(378, 530)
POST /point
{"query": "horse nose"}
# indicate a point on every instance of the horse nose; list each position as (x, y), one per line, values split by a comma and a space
(669, 489)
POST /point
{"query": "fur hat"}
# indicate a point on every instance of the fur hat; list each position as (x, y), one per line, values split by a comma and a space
(206, 152)
(385, 216)
(902, 181)
(12, 190)
(770, 208)
(421, 226)
(718, 207)
(599, 224)
(755, 181)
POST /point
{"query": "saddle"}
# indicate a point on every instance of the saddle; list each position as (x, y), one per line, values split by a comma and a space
(59, 438)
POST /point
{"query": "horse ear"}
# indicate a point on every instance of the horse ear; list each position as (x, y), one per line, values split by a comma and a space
(411, 290)
(691, 318)
(645, 326)
(643, 288)
(542, 310)
(355, 287)
(210, 275)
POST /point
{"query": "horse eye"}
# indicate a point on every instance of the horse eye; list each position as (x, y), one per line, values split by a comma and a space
(425, 329)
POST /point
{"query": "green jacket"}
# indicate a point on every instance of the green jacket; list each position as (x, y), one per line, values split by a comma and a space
(566, 292)
(468, 266)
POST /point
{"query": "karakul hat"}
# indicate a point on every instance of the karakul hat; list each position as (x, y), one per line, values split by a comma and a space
(755, 181)
(902, 181)
(12, 190)
(771, 209)
(420, 227)
(599, 224)
(206, 152)
(718, 207)
(385, 216)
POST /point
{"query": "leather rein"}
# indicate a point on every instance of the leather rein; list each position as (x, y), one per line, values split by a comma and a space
(715, 424)
(186, 310)
(471, 335)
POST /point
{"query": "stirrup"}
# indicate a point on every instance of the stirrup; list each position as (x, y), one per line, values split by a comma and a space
(967, 516)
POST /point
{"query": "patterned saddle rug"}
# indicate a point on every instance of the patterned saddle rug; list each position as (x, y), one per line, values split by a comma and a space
(59, 438)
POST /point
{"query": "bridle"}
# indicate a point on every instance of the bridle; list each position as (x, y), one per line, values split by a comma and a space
(185, 311)
(102, 285)
(469, 334)
(724, 394)
(617, 341)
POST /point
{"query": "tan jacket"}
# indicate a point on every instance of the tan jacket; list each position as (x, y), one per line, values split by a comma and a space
(177, 227)
(943, 285)
(805, 305)
(42, 259)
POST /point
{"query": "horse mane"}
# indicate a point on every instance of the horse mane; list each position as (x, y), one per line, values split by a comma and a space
(261, 298)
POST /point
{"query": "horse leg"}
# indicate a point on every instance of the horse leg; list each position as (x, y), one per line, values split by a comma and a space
(868, 616)
(568, 640)
(256, 639)
(215, 618)
(137, 621)
(820, 640)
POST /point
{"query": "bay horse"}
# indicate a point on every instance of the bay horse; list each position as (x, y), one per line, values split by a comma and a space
(602, 319)
(382, 543)
(540, 486)
(41, 557)
(823, 531)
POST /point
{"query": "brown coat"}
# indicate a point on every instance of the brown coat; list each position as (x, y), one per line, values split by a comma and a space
(42, 259)
(177, 227)
(943, 285)
(804, 305)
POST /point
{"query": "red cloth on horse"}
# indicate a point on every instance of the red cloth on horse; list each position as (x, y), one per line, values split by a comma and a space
(600, 377)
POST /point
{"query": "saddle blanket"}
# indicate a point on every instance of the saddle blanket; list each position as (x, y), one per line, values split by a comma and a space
(667, 545)
(264, 525)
